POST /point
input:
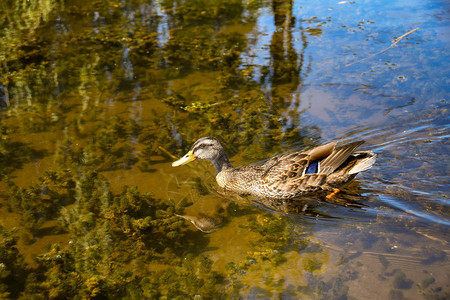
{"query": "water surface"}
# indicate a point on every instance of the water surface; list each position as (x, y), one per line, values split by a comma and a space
(97, 99)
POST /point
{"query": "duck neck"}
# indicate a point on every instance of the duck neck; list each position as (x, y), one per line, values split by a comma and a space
(221, 163)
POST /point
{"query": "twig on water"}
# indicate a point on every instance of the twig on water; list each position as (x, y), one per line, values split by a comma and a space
(167, 152)
(384, 50)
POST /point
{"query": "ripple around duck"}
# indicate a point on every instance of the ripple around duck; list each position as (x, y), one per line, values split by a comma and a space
(411, 172)
(413, 211)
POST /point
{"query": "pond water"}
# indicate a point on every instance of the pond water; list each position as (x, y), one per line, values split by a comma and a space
(98, 99)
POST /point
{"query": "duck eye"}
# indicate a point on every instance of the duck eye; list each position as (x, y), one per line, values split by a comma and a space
(202, 146)
(199, 147)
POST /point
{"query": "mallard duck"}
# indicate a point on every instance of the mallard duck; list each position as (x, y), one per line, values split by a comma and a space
(285, 176)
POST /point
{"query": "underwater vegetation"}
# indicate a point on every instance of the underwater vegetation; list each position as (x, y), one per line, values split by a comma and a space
(113, 241)
(124, 245)
(12, 265)
(42, 201)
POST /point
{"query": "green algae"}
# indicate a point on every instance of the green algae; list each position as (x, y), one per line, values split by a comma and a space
(12, 266)
(401, 281)
(111, 237)
(42, 202)
(427, 281)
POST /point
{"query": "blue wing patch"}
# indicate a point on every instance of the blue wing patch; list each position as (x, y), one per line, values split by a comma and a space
(313, 167)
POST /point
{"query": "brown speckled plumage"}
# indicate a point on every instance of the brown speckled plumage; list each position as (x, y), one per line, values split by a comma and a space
(285, 176)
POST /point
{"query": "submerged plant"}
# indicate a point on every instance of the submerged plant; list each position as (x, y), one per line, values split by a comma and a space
(12, 265)
(42, 201)
(278, 237)
(112, 238)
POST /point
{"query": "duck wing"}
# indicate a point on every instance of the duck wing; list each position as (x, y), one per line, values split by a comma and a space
(295, 173)
(293, 164)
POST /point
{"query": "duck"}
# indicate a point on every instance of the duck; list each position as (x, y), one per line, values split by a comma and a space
(285, 176)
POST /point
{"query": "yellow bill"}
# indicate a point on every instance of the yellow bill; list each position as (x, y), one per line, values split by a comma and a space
(184, 160)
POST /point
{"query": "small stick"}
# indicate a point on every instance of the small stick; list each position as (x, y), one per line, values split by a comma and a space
(399, 38)
(384, 50)
(167, 152)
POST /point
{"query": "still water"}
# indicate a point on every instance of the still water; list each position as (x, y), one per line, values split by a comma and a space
(98, 98)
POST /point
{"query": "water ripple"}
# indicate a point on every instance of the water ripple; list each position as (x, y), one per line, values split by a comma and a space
(411, 173)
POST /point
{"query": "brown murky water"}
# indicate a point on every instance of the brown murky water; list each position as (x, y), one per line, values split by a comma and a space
(97, 99)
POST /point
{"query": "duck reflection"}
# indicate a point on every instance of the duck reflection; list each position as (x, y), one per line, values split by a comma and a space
(312, 205)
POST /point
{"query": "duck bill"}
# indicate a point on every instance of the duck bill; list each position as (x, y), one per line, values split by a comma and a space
(184, 160)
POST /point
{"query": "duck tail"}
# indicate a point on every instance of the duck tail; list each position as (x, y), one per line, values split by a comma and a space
(338, 157)
(364, 163)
